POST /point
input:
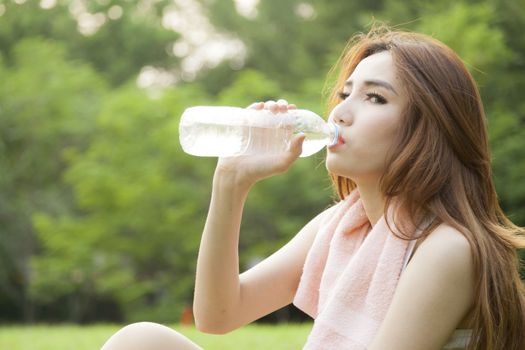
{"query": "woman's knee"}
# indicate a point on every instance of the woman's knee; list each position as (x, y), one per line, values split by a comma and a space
(148, 335)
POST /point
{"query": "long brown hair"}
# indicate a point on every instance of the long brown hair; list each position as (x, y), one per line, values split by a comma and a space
(440, 167)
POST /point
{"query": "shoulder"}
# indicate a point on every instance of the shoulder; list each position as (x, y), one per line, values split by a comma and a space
(444, 241)
(433, 294)
(445, 255)
(447, 233)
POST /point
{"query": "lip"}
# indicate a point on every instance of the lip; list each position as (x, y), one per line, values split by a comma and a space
(336, 146)
(340, 142)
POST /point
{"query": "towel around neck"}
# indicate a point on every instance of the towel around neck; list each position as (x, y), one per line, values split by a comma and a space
(350, 275)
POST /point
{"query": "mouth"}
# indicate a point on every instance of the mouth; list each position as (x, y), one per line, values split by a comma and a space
(336, 146)
(340, 141)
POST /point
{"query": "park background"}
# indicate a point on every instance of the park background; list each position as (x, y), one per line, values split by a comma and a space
(101, 211)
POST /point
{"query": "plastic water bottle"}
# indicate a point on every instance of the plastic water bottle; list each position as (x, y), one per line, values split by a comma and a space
(233, 131)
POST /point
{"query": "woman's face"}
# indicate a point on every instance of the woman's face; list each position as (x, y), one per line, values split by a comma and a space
(369, 114)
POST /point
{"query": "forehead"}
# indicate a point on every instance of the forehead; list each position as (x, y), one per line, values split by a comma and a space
(377, 66)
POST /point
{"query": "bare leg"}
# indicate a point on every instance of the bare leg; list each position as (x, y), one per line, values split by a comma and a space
(147, 335)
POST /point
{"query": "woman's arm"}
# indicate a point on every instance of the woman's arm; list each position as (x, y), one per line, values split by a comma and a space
(224, 300)
(217, 288)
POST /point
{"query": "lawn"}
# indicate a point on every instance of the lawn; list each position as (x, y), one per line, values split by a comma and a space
(71, 337)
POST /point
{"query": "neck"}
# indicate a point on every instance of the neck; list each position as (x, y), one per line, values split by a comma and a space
(373, 201)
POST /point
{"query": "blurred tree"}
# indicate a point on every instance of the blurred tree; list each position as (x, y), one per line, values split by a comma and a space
(141, 207)
(47, 106)
(117, 37)
(291, 40)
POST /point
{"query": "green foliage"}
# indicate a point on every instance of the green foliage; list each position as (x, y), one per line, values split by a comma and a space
(140, 39)
(141, 205)
(118, 49)
(47, 106)
(249, 86)
(470, 31)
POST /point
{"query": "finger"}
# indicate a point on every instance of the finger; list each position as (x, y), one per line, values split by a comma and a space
(282, 105)
(296, 145)
(256, 105)
(272, 106)
(269, 103)
(295, 149)
(292, 106)
(283, 108)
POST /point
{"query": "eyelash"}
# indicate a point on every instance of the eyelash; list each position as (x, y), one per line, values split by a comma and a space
(380, 99)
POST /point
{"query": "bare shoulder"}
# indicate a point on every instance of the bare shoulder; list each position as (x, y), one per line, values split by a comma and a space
(447, 252)
(434, 293)
(445, 240)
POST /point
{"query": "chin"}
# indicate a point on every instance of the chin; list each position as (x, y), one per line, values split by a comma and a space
(335, 166)
(350, 169)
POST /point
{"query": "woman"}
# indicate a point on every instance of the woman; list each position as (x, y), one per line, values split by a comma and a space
(414, 177)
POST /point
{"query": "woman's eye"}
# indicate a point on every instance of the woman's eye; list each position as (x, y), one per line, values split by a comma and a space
(371, 96)
(376, 98)
(342, 95)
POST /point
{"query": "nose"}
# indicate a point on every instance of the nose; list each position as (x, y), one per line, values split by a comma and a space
(342, 114)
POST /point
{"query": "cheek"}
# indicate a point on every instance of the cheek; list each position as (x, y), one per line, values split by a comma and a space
(380, 131)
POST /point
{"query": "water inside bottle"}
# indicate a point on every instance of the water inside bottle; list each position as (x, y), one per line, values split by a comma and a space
(272, 141)
(268, 140)
(313, 143)
(214, 140)
(208, 139)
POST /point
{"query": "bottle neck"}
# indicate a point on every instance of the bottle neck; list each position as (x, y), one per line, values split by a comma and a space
(333, 132)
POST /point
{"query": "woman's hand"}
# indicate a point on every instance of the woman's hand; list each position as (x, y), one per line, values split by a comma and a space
(246, 170)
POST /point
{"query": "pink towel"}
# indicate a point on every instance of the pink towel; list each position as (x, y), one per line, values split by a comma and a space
(349, 277)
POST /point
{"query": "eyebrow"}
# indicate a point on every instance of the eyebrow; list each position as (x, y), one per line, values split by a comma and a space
(373, 82)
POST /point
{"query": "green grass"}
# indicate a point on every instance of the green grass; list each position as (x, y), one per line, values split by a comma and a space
(71, 337)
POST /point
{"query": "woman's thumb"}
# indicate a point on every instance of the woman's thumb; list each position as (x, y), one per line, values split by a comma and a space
(296, 144)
